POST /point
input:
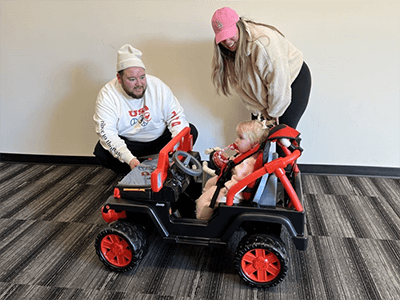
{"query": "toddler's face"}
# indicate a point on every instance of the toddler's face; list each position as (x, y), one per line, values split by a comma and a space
(243, 143)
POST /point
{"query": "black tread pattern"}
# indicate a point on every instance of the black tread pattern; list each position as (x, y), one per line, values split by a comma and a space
(135, 236)
(262, 241)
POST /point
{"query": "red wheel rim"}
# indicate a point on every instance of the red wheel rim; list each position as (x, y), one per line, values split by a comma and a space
(116, 250)
(261, 265)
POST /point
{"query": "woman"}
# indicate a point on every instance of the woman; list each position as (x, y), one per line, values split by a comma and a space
(262, 66)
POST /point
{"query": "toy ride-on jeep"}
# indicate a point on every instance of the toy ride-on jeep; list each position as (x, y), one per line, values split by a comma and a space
(161, 193)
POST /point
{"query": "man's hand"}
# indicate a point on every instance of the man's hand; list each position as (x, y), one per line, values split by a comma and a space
(134, 163)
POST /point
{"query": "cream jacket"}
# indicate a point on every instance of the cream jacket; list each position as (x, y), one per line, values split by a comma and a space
(275, 64)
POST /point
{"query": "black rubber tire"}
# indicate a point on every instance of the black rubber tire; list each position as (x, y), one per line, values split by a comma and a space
(121, 245)
(261, 260)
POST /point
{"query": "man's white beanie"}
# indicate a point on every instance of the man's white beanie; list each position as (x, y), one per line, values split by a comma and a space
(128, 57)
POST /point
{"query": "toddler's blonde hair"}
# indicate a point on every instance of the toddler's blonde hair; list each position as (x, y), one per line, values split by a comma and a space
(253, 130)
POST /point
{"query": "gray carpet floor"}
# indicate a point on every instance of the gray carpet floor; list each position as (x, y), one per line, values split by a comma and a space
(50, 216)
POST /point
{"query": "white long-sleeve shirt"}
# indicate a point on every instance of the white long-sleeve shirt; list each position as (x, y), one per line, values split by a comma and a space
(142, 120)
(275, 64)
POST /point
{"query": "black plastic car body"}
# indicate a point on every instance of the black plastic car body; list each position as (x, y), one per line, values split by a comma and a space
(276, 201)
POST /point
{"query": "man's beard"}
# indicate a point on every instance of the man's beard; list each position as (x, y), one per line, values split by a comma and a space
(135, 96)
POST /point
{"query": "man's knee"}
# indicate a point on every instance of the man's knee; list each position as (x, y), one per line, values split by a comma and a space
(193, 132)
(108, 161)
(101, 154)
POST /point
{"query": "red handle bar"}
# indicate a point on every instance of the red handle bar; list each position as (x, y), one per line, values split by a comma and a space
(276, 166)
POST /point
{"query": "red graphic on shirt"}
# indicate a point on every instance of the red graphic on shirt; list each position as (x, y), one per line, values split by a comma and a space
(138, 112)
(175, 119)
(141, 116)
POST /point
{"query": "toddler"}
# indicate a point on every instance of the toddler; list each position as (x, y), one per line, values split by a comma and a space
(249, 135)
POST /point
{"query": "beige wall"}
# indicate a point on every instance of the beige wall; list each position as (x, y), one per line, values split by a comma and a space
(56, 55)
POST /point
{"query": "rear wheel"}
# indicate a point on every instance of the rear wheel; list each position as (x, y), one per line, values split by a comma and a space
(121, 245)
(261, 260)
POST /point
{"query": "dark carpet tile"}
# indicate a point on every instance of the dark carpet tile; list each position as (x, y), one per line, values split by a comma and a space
(50, 217)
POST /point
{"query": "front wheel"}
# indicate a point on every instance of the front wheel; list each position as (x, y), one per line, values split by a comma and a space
(261, 260)
(121, 245)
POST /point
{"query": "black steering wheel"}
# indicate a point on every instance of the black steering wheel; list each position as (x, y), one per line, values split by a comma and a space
(187, 163)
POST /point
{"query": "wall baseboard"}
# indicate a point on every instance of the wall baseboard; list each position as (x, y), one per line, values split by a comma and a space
(350, 170)
(50, 159)
(305, 168)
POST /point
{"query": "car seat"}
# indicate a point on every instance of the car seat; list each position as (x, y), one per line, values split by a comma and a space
(263, 190)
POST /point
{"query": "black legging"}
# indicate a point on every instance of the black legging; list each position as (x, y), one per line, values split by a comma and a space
(138, 149)
(301, 88)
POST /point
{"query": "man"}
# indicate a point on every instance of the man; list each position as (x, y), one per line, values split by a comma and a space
(136, 115)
